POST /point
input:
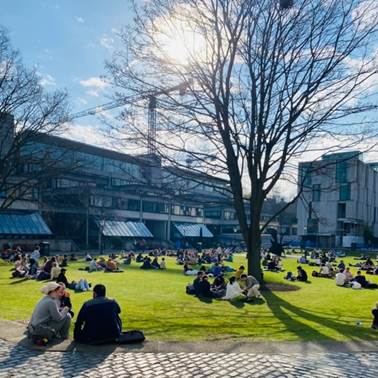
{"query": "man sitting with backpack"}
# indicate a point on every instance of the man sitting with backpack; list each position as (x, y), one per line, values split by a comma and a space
(98, 320)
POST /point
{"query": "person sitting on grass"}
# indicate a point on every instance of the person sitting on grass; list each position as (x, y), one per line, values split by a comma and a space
(163, 264)
(348, 274)
(340, 278)
(48, 321)
(233, 289)
(301, 274)
(218, 287)
(98, 320)
(21, 268)
(55, 271)
(324, 271)
(364, 282)
(155, 263)
(64, 262)
(146, 263)
(188, 271)
(251, 287)
(239, 272)
(94, 266)
(341, 265)
(375, 317)
(33, 268)
(64, 299)
(205, 288)
(111, 265)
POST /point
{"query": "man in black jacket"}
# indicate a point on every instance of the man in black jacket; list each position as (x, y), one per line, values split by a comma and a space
(98, 320)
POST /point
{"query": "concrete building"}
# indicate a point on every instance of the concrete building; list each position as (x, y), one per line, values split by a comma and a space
(98, 198)
(338, 206)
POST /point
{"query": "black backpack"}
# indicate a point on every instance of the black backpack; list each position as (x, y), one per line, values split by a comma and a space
(131, 337)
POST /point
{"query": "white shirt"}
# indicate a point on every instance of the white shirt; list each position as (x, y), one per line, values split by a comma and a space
(232, 291)
(324, 270)
(340, 279)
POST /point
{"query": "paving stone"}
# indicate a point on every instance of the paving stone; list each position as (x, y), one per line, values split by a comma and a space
(17, 361)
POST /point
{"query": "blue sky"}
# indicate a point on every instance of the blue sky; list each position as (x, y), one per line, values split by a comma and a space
(67, 41)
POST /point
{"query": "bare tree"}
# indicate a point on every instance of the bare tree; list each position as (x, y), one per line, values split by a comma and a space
(27, 115)
(264, 82)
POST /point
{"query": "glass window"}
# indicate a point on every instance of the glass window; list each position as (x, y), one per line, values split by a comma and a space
(341, 210)
(344, 192)
(229, 215)
(213, 213)
(155, 207)
(316, 192)
(341, 171)
(133, 205)
(305, 174)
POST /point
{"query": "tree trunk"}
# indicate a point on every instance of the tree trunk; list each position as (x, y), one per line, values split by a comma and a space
(254, 256)
(254, 248)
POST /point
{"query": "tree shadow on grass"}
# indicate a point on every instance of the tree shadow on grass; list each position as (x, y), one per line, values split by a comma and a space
(290, 316)
(18, 281)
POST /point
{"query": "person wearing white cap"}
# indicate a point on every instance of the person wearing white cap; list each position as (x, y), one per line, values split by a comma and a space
(48, 320)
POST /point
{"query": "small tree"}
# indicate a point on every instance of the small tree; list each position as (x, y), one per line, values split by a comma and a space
(263, 81)
(27, 114)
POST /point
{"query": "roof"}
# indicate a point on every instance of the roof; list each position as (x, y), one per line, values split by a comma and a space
(23, 224)
(124, 229)
(194, 230)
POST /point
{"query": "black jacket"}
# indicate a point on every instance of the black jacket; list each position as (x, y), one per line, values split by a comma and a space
(98, 321)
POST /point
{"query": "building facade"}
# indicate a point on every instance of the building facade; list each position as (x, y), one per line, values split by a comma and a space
(97, 198)
(338, 205)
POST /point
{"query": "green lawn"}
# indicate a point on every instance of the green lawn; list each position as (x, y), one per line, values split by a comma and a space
(155, 302)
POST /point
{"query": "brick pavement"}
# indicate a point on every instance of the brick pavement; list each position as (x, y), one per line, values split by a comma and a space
(18, 361)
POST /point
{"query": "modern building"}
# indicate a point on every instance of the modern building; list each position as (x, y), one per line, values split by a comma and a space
(96, 198)
(338, 205)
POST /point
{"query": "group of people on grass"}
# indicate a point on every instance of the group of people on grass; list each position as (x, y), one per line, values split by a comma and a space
(98, 320)
(239, 285)
(329, 268)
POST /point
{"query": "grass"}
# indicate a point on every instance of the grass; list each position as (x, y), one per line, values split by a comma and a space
(156, 302)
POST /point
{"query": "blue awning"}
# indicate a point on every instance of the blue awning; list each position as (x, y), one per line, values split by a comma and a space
(194, 230)
(124, 229)
(23, 224)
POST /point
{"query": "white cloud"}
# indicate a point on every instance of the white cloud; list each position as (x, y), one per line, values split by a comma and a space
(47, 80)
(80, 20)
(107, 42)
(90, 134)
(94, 82)
(93, 93)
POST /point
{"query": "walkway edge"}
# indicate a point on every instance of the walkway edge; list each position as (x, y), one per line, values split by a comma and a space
(13, 332)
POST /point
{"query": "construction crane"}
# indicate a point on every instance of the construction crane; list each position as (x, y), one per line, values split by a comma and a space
(151, 96)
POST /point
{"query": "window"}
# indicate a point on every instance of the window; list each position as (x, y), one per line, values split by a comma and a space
(155, 207)
(100, 201)
(341, 210)
(316, 192)
(213, 213)
(65, 183)
(305, 174)
(229, 215)
(312, 226)
(341, 171)
(344, 194)
(133, 205)
(188, 211)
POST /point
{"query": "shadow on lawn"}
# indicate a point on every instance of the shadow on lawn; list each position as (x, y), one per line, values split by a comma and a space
(18, 281)
(290, 316)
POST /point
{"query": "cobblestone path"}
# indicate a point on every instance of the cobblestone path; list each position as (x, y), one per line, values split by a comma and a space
(17, 361)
